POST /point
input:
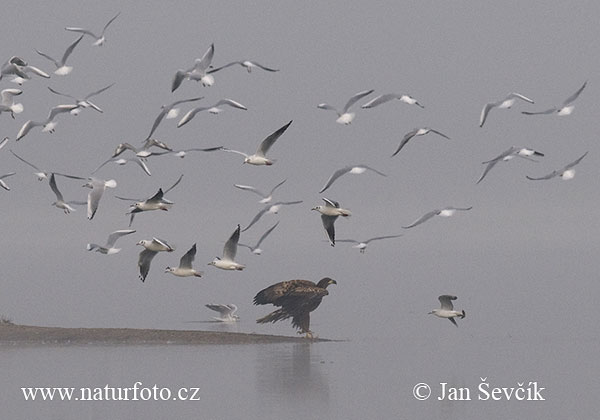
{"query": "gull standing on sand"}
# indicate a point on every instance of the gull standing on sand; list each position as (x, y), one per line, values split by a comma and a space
(507, 155)
(407, 99)
(98, 186)
(566, 173)
(565, 109)
(60, 202)
(85, 102)
(445, 212)
(199, 72)
(269, 208)
(169, 112)
(61, 66)
(151, 248)
(98, 40)
(20, 69)
(417, 132)
(362, 245)
(227, 261)
(259, 157)
(266, 198)
(7, 102)
(256, 248)
(227, 311)
(329, 213)
(447, 309)
(505, 103)
(185, 265)
(109, 248)
(2, 183)
(49, 124)
(352, 169)
(213, 109)
(346, 117)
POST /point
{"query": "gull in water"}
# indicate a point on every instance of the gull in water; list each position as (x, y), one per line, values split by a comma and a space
(507, 155)
(247, 64)
(2, 183)
(505, 103)
(98, 186)
(566, 173)
(41, 175)
(346, 117)
(447, 309)
(169, 112)
(49, 125)
(151, 248)
(7, 102)
(414, 133)
(98, 40)
(185, 265)
(123, 161)
(259, 157)
(565, 109)
(109, 248)
(227, 261)
(199, 72)
(266, 197)
(352, 169)
(213, 109)
(60, 202)
(329, 213)
(226, 311)
(20, 69)
(256, 248)
(445, 212)
(85, 102)
(362, 245)
(61, 66)
(407, 99)
(269, 208)
(141, 152)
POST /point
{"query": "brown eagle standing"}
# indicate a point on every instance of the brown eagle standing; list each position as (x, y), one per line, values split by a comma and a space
(297, 299)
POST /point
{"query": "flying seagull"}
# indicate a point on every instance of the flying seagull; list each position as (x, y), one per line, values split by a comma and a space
(98, 186)
(445, 212)
(20, 69)
(123, 161)
(141, 152)
(565, 173)
(417, 132)
(259, 158)
(329, 213)
(61, 66)
(226, 311)
(505, 103)
(407, 99)
(7, 102)
(49, 124)
(60, 202)
(507, 155)
(198, 72)
(99, 40)
(109, 248)
(352, 169)
(227, 261)
(85, 102)
(2, 183)
(247, 64)
(213, 109)
(151, 248)
(266, 197)
(168, 112)
(185, 265)
(447, 309)
(362, 245)
(565, 109)
(346, 117)
(41, 175)
(269, 208)
(256, 248)
(183, 152)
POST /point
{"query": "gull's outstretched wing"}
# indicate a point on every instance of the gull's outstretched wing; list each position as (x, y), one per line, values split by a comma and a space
(357, 97)
(266, 144)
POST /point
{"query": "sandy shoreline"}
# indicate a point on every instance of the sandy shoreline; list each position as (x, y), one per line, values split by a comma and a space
(26, 334)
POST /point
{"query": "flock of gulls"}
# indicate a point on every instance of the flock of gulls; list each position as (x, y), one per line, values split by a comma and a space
(295, 298)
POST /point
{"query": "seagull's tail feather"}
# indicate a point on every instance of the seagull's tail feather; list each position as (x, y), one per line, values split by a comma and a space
(463, 314)
(274, 316)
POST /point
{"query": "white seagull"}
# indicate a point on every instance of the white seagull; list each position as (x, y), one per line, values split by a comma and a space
(169, 112)
(183, 152)
(185, 265)
(85, 102)
(49, 124)
(213, 109)
(61, 66)
(352, 169)
(266, 197)
(141, 152)
(20, 69)
(2, 183)
(507, 155)
(227, 311)
(199, 72)
(41, 175)
(566, 173)
(447, 309)
(329, 213)
(256, 248)
(98, 186)
(445, 212)
(417, 132)
(151, 248)
(247, 64)
(407, 99)
(269, 208)
(362, 245)
(505, 103)
(227, 261)
(109, 248)
(98, 40)
(124, 161)
(346, 117)
(7, 102)
(60, 202)
(259, 157)
(565, 109)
